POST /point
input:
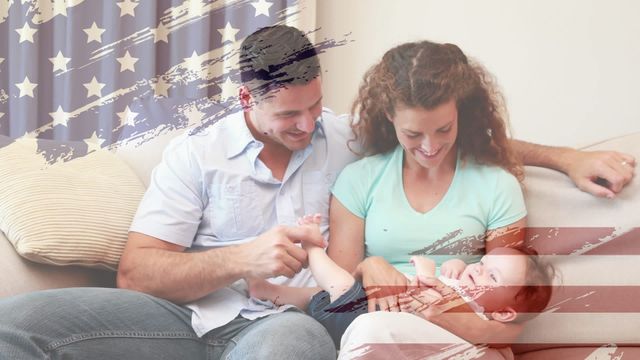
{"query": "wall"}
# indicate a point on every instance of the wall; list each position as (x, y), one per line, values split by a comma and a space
(568, 69)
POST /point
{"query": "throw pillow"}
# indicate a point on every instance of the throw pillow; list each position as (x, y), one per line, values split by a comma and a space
(74, 212)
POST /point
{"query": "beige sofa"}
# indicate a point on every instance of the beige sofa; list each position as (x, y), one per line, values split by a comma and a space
(593, 313)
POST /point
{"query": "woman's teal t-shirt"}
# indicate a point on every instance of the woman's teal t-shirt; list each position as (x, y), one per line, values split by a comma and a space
(480, 198)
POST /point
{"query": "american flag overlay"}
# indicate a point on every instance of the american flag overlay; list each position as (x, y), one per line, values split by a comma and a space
(104, 73)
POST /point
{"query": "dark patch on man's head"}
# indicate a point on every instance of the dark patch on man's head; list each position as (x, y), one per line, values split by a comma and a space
(277, 56)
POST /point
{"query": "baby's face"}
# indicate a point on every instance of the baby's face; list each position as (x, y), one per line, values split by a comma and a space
(496, 279)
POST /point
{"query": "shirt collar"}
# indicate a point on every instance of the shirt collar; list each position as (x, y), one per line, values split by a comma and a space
(239, 136)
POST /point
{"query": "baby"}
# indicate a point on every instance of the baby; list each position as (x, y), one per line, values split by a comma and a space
(507, 284)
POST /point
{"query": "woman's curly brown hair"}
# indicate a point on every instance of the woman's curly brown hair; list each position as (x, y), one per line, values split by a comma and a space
(425, 74)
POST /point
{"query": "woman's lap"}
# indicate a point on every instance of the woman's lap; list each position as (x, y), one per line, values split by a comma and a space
(383, 335)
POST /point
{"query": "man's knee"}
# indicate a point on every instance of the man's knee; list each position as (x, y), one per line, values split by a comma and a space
(291, 335)
(303, 335)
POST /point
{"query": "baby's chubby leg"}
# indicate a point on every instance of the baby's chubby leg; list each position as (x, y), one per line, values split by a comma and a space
(329, 276)
(280, 294)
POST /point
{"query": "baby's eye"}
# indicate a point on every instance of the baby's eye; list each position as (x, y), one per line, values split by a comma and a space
(493, 278)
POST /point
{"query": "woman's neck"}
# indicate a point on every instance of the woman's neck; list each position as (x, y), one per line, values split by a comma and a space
(443, 171)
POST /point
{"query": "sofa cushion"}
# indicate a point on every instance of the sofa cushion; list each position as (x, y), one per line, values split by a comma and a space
(594, 244)
(74, 212)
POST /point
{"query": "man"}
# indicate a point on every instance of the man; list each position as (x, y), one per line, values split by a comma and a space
(221, 207)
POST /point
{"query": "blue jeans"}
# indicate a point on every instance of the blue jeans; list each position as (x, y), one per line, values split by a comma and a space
(101, 323)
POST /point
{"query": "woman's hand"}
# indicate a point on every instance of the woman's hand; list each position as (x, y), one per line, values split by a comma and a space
(429, 297)
(382, 282)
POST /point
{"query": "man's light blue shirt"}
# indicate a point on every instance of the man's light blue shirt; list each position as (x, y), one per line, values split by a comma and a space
(212, 190)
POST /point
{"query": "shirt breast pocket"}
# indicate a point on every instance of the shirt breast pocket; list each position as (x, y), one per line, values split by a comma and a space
(234, 210)
(316, 192)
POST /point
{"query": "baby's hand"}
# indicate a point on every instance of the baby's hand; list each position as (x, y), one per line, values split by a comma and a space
(312, 222)
(452, 268)
(424, 266)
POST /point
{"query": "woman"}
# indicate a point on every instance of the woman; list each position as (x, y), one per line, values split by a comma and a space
(439, 177)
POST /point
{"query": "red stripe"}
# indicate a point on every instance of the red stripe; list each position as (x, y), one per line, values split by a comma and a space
(567, 240)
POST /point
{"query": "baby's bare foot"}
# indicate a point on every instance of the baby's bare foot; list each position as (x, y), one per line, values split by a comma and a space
(311, 221)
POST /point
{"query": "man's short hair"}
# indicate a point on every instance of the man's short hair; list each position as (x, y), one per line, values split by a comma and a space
(277, 56)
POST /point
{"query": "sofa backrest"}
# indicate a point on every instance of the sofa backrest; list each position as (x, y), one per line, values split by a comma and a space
(143, 157)
(596, 247)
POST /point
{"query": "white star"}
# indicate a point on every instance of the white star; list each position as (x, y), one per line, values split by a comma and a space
(94, 140)
(196, 8)
(127, 7)
(26, 87)
(262, 7)
(94, 33)
(194, 115)
(228, 33)
(161, 88)
(60, 117)
(193, 62)
(60, 7)
(127, 117)
(160, 33)
(127, 62)
(26, 33)
(228, 90)
(1, 115)
(60, 62)
(94, 88)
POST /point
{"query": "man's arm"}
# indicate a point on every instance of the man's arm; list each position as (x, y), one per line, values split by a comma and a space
(601, 173)
(162, 269)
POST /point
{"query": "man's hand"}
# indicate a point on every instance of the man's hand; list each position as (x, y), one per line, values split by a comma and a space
(601, 173)
(275, 252)
(382, 282)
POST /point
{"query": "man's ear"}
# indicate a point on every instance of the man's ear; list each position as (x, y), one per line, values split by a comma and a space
(246, 99)
(505, 315)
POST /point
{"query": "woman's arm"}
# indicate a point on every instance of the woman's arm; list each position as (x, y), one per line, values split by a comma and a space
(346, 236)
(475, 330)
(453, 314)
(507, 236)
